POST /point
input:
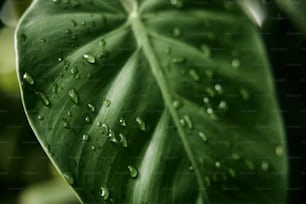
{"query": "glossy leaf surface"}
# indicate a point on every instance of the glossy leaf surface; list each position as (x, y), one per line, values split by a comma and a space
(152, 101)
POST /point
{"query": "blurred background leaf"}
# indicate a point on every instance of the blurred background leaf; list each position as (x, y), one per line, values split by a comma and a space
(25, 171)
(8, 81)
(54, 191)
(12, 10)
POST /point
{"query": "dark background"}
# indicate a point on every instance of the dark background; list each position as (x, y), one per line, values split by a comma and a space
(27, 164)
(22, 160)
(286, 47)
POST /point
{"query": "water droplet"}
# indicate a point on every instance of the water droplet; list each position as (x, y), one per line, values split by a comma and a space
(236, 156)
(112, 136)
(89, 58)
(85, 137)
(206, 100)
(44, 99)
(88, 119)
(205, 50)
(89, 76)
(194, 75)
(74, 96)
(232, 172)
(69, 113)
(211, 112)
(55, 88)
(133, 171)
(177, 32)
(123, 140)
(141, 124)
(56, 1)
(40, 117)
(236, 63)
(68, 31)
(188, 121)
(244, 94)
(91, 107)
(218, 88)
(122, 122)
(177, 3)
(279, 150)
(218, 164)
(264, 165)
(178, 60)
(68, 177)
(99, 123)
(202, 136)
(28, 78)
(104, 193)
(43, 40)
(93, 148)
(222, 105)
(74, 70)
(66, 125)
(107, 103)
(177, 104)
(61, 74)
(210, 91)
(105, 128)
(191, 168)
(183, 122)
(249, 165)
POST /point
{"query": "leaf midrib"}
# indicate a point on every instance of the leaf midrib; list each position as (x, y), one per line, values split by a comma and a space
(142, 38)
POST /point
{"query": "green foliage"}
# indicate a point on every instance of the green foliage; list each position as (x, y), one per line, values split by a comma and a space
(153, 101)
(296, 10)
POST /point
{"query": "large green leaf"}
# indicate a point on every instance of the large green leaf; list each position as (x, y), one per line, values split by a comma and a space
(152, 101)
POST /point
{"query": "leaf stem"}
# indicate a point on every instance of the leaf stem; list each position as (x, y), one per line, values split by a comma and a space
(129, 5)
(144, 43)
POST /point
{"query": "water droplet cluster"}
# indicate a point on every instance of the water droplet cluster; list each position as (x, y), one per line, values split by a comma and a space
(207, 89)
